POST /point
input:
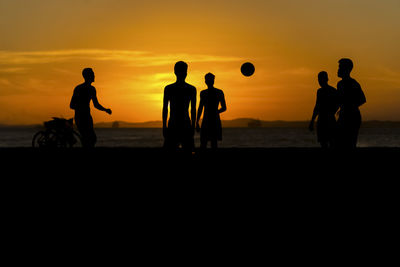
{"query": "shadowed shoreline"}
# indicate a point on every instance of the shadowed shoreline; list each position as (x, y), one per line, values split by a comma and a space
(284, 191)
(285, 175)
(152, 162)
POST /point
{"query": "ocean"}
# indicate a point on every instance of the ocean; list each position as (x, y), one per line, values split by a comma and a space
(232, 137)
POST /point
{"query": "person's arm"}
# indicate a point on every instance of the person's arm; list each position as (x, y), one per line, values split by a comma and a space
(362, 99)
(193, 108)
(223, 103)
(340, 98)
(314, 115)
(72, 104)
(97, 105)
(165, 111)
(199, 112)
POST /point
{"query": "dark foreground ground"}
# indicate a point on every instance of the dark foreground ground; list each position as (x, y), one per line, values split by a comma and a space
(252, 168)
(129, 163)
(291, 173)
(242, 205)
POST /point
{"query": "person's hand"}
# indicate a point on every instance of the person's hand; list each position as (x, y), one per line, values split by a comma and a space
(197, 127)
(311, 126)
(109, 111)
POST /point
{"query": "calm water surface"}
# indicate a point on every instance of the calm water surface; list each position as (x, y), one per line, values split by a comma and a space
(232, 137)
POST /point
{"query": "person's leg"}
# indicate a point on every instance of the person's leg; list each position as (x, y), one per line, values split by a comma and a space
(188, 144)
(352, 128)
(171, 143)
(91, 133)
(92, 138)
(332, 143)
(203, 141)
(214, 144)
(356, 130)
(353, 137)
(171, 139)
(203, 144)
(82, 129)
(186, 137)
(342, 133)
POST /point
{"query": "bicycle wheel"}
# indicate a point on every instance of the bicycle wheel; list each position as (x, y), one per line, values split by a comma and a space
(47, 139)
(74, 140)
(39, 139)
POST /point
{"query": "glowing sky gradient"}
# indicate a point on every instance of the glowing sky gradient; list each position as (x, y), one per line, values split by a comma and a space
(133, 45)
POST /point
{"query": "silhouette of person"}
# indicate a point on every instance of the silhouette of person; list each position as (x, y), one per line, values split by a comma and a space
(80, 102)
(351, 97)
(210, 99)
(325, 108)
(178, 96)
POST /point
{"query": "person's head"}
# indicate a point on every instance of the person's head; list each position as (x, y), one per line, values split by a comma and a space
(88, 75)
(210, 78)
(345, 67)
(181, 70)
(323, 78)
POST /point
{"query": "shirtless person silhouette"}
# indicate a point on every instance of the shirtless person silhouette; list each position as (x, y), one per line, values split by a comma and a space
(210, 100)
(178, 96)
(351, 97)
(80, 102)
(325, 109)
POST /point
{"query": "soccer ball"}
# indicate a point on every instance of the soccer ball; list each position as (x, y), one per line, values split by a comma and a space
(247, 69)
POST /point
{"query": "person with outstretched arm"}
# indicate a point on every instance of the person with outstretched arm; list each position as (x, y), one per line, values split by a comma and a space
(80, 102)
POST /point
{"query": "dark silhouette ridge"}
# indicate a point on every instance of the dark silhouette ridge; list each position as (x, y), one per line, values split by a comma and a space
(80, 102)
(179, 129)
(325, 109)
(210, 99)
(351, 97)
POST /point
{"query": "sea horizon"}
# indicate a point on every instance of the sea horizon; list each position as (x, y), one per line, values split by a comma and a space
(233, 123)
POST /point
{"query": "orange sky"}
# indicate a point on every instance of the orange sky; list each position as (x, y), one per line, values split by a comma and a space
(133, 45)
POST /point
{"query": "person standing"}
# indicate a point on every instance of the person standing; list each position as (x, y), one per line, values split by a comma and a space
(179, 129)
(80, 102)
(210, 100)
(351, 97)
(325, 109)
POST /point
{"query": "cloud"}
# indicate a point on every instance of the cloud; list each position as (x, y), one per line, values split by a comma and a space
(5, 82)
(130, 57)
(299, 71)
(387, 75)
(12, 70)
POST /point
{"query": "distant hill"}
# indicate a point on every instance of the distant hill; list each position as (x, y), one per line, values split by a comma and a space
(124, 124)
(255, 123)
(244, 123)
(236, 123)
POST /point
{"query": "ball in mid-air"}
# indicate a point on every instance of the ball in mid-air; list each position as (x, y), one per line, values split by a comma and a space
(247, 69)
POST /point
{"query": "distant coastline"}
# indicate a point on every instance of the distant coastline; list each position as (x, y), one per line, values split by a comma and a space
(235, 123)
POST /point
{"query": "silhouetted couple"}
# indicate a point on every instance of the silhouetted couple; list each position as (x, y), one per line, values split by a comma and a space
(80, 102)
(348, 97)
(180, 128)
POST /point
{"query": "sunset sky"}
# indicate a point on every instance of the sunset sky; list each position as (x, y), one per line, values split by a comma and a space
(133, 45)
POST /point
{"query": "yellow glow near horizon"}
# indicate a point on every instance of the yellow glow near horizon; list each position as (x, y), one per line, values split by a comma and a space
(133, 45)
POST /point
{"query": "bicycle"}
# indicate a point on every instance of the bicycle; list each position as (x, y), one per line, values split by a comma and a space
(58, 133)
